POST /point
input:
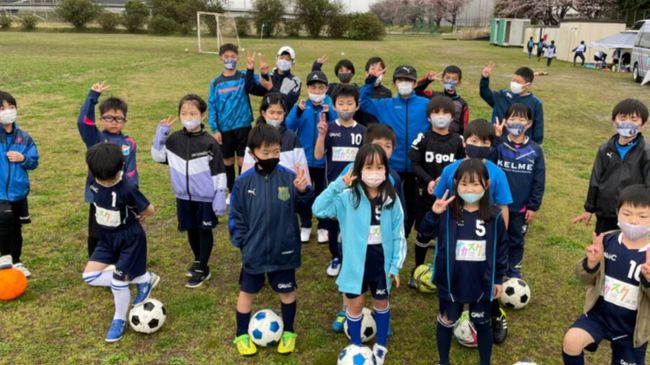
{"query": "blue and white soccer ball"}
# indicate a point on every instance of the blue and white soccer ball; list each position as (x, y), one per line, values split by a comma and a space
(265, 328)
(368, 326)
(356, 355)
(148, 317)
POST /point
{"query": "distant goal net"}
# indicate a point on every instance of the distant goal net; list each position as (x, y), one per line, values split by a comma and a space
(214, 30)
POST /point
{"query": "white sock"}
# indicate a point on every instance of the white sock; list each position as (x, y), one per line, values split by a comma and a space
(144, 278)
(98, 278)
(122, 297)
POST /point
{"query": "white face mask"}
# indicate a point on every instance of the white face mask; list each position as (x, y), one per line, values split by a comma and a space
(405, 88)
(440, 121)
(373, 178)
(284, 65)
(316, 98)
(191, 125)
(633, 231)
(516, 88)
(8, 116)
(274, 122)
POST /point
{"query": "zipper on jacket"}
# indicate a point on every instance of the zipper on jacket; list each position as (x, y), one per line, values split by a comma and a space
(406, 138)
(8, 168)
(266, 215)
(187, 169)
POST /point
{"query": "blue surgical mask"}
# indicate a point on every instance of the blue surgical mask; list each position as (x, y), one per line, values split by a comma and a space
(345, 116)
(516, 129)
(450, 85)
(471, 198)
(230, 64)
(628, 130)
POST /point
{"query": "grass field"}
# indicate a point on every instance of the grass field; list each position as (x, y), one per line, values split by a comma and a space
(60, 320)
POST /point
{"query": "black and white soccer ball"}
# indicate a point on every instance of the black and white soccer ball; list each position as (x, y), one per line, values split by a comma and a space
(148, 317)
(356, 355)
(516, 294)
(265, 328)
(368, 326)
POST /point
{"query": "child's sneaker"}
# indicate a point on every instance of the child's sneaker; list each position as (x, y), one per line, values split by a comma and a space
(195, 266)
(380, 354)
(245, 346)
(323, 236)
(6, 262)
(499, 327)
(411, 283)
(334, 267)
(144, 289)
(287, 342)
(305, 233)
(198, 277)
(22, 268)
(339, 321)
(116, 331)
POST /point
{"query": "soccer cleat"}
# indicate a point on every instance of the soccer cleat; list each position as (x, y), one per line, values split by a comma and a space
(334, 267)
(245, 346)
(499, 327)
(144, 289)
(194, 266)
(116, 331)
(198, 277)
(22, 268)
(6, 262)
(305, 233)
(339, 321)
(323, 236)
(380, 353)
(287, 343)
(411, 283)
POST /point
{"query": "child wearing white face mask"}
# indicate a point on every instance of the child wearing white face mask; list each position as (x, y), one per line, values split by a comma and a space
(372, 232)
(200, 197)
(281, 79)
(519, 92)
(18, 155)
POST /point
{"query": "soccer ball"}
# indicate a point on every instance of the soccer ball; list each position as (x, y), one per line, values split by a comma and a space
(465, 332)
(516, 294)
(368, 326)
(265, 328)
(423, 275)
(356, 355)
(148, 317)
(525, 362)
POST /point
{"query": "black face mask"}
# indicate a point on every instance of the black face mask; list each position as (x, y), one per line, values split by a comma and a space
(477, 152)
(345, 77)
(266, 166)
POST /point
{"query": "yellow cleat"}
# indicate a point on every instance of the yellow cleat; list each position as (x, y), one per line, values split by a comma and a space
(287, 343)
(245, 346)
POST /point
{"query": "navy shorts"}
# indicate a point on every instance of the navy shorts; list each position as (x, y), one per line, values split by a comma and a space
(126, 249)
(374, 276)
(479, 312)
(283, 281)
(623, 350)
(195, 215)
(234, 141)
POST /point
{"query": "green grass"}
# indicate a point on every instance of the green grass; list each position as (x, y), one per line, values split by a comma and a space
(60, 320)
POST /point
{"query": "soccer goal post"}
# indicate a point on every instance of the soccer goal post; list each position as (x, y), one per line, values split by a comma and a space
(211, 27)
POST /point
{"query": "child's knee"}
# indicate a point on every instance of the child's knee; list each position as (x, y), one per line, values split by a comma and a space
(444, 321)
(574, 342)
(380, 304)
(288, 298)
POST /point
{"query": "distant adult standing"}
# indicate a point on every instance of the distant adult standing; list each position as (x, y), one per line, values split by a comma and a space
(530, 45)
(550, 53)
(579, 51)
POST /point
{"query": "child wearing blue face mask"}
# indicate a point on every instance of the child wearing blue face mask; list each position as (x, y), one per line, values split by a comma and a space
(522, 160)
(622, 161)
(451, 80)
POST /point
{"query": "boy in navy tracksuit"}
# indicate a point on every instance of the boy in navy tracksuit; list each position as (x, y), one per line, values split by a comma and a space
(339, 142)
(519, 92)
(303, 120)
(113, 116)
(522, 160)
(263, 225)
(19, 155)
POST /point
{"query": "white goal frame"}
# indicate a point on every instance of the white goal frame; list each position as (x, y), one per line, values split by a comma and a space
(218, 17)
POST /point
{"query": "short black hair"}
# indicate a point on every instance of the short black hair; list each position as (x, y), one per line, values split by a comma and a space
(631, 107)
(480, 128)
(441, 103)
(5, 96)
(453, 69)
(228, 47)
(526, 73)
(345, 90)
(377, 131)
(372, 60)
(637, 195)
(113, 103)
(193, 99)
(343, 63)
(105, 160)
(263, 134)
(519, 110)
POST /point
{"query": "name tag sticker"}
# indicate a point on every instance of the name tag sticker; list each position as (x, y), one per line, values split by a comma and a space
(470, 250)
(620, 293)
(374, 238)
(344, 154)
(107, 218)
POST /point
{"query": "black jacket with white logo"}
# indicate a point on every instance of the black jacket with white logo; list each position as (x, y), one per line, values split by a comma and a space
(430, 152)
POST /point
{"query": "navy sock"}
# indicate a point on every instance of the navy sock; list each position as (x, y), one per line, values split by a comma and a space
(382, 319)
(230, 176)
(420, 252)
(289, 315)
(484, 334)
(354, 328)
(242, 323)
(573, 360)
(443, 340)
(205, 248)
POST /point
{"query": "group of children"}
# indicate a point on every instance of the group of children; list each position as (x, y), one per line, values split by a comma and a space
(370, 167)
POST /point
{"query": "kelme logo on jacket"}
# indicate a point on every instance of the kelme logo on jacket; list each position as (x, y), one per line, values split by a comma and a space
(283, 193)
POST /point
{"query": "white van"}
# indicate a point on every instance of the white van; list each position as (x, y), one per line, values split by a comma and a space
(641, 52)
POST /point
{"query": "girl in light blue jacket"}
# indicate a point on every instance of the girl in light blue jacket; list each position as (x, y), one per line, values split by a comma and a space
(372, 233)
